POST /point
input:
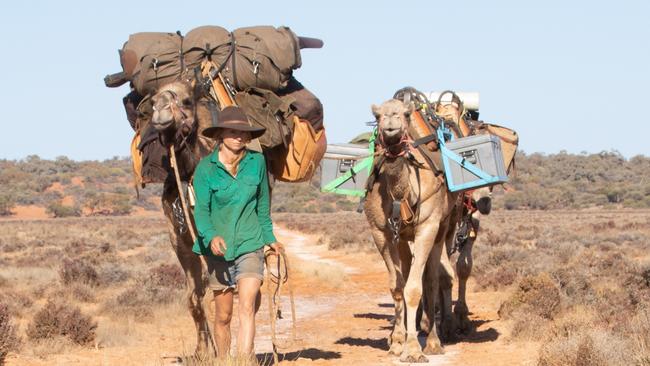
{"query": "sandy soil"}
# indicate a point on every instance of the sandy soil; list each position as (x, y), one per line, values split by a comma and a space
(344, 315)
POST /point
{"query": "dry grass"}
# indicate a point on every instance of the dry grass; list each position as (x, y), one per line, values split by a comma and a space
(228, 361)
(9, 341)
(579, 280)
(330, 275)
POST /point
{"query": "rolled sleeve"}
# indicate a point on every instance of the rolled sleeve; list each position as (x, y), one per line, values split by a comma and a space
(263, 207)
(202, 217)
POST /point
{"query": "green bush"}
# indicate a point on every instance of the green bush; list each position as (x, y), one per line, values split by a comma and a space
(57, 209)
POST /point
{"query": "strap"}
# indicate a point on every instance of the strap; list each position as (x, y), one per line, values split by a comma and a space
(180, 54)
(429, 160)
(214, 112)
(396, 213)
(234, 68)
(425, 140)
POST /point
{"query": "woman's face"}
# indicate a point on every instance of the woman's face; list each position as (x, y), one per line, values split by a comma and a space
(235, 140)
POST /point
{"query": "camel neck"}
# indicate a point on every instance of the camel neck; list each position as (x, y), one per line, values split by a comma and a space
(396, 173)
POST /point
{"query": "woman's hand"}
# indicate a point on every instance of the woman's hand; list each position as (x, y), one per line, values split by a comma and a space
(218, 246)
(277, 248)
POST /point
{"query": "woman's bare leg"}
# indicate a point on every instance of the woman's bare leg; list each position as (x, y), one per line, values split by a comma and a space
(249, 303)
(222, 317)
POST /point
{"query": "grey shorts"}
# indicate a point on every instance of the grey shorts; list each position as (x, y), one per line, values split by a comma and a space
(223, 274)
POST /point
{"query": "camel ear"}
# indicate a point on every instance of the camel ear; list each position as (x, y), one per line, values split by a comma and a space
(375, 111)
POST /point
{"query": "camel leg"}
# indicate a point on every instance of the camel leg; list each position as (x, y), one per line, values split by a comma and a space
(464, 269)
(195, 282)
(396, 284)
(437, 264)
(448, 324)
(424, 240)
(426, 311)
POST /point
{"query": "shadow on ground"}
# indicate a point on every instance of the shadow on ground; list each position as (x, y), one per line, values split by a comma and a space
(374, 316)
(307, 353)
(377, 343)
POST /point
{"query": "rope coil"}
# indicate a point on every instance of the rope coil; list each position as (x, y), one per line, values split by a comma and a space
(279, 278)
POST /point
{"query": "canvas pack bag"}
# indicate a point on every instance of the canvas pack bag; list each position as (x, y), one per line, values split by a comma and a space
(160, 64)
(261, 56)
(265, 109)
(306, 105)
(264, 57)
(298, 161)
(206, 43)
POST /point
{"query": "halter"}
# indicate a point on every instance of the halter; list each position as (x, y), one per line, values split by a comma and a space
(401, 148)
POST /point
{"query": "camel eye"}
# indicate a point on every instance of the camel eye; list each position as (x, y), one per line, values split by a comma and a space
(187, 103)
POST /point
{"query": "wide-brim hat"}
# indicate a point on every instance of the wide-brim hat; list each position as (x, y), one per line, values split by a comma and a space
(234, 118)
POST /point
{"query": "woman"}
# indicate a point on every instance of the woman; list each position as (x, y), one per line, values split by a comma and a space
(234, 224)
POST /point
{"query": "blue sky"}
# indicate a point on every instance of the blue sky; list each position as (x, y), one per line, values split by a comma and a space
(571, 76)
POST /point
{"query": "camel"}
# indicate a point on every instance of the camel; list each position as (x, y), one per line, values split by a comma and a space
(179, 117)
(407, 251)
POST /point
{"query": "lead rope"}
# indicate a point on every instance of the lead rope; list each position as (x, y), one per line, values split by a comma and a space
(275, 311)
(186, 212)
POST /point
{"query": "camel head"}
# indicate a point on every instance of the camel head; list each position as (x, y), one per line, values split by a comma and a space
(392, 120)
(174, 109)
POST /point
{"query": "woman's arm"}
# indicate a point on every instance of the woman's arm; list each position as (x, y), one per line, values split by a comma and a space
(202, 209)
(264, 207)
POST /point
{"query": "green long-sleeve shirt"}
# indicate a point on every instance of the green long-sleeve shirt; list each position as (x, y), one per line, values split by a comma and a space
(235, 208)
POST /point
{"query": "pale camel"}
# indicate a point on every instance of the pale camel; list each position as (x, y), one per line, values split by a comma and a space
(417, 245)
(179, 117)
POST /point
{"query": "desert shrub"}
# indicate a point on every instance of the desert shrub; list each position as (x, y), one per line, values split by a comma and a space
(7, 203)
(62, 319)
(57, 209)
(536, 295)
(9, 341)
(162, 286)
(166, 275)
(110, 274)
(82, 292)
(581, 337)
(78, 271)
(16, 302)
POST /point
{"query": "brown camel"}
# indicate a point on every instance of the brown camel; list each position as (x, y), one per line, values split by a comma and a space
(179, 117)
(407, 251)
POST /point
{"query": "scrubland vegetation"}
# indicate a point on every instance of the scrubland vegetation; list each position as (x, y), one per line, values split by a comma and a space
(568, 244)
(92, 188)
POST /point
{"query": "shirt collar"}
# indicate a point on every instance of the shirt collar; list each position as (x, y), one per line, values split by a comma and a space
(214, 157)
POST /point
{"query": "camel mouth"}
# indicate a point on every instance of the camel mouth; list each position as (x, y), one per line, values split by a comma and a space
(391, 131)
(161, 126)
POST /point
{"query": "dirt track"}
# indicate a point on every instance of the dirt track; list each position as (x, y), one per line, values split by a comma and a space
(344, 316)
(356, 329)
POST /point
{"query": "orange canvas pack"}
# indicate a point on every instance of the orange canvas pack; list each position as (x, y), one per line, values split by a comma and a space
(300, 159)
